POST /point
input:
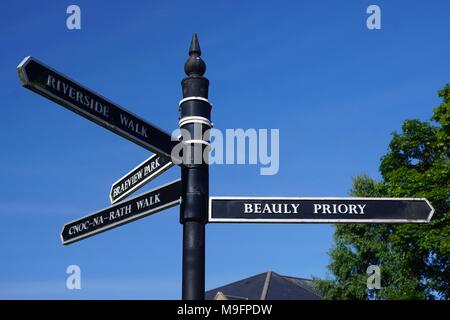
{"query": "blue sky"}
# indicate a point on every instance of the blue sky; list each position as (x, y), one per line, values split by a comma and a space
(335, 89)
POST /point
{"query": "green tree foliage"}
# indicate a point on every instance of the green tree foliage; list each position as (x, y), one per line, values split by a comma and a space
(414, 259)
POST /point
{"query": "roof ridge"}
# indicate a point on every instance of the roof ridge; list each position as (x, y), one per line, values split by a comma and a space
(229, 284)
(296, 277)
(307, 288)
(266, 285)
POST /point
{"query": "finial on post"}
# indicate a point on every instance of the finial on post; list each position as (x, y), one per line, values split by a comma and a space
(195, 46)
(195, 66)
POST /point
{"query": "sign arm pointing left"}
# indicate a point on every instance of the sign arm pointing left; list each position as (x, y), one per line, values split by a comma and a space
(138, 177)
(59, 88)
(150, 202)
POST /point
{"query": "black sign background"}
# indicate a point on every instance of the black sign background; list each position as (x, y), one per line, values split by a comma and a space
(169, 195)
(377, 210)
(34, 76)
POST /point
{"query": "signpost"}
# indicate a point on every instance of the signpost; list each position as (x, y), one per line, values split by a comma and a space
(319, 210)
(139, 176)
(119, 214)
(55, 86)
(195, 119)
(192, 190)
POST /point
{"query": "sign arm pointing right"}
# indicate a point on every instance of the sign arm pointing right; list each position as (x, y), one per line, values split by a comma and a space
(319, 210)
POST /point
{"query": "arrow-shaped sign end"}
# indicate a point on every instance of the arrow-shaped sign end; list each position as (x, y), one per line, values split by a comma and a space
(63, 242)
(432, 210)
(21, 70)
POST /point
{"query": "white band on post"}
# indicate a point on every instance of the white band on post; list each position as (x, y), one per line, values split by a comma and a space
(194, 98)
(195, 119)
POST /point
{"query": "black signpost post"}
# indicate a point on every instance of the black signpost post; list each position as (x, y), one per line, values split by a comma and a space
(195, 114)
(192, 190)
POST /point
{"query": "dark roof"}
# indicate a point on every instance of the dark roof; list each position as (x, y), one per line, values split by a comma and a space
(267, 286)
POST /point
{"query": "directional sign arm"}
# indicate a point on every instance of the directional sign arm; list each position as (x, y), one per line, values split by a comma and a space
(59, 88)
(124, 212)
(139, 176)
(319, 210)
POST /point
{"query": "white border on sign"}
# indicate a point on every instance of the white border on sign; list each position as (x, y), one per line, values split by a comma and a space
(211, 219)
